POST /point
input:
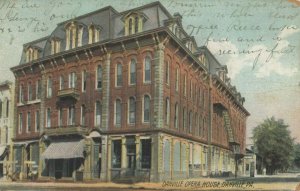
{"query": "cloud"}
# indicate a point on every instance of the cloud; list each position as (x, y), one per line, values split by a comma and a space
(285, 33)
(259, 57)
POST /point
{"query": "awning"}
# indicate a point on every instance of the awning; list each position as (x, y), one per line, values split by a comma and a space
(64, 150)
(94, 134)
(2, 152)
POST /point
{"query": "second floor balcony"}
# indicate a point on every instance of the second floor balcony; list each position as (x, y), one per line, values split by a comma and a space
(66, 130)
(68, 93)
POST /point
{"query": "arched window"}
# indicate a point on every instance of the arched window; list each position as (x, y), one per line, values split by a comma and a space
(29, 91)
(28, 122)
(136, 24)
(61, 82)
(167, 111)
(99, 77)
(83, 112)
(190, 121)
(1, 107)
(119, 75)
(184, 118)
(147, 69)
(177, 80)
(146, 112)
(118, 112)
(130, 27)
(132, 72)
(48, 117)
(71, 113)
(131, 110)
(49, 87)
(20, 121)
(176, 116)
(21, 94)
(184, 85)
(98, 111)
(72, 80)
(167, 63)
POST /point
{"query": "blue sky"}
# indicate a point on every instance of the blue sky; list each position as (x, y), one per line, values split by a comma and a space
(258, 40)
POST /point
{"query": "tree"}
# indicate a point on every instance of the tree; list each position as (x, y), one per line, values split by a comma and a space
(274, 144)
(297, 155)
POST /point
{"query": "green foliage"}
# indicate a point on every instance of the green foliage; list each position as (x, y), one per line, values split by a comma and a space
(274, 144)
(297, 155)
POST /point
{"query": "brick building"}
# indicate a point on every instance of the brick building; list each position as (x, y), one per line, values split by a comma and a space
(127, 96)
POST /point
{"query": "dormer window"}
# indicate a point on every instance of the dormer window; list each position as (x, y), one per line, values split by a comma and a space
(189, 45)
(32, 53)
(55, 45)
(94, 33)
(134, 23)
(74, 33)
(203, 59)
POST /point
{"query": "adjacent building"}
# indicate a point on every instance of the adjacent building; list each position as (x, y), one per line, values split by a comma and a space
(113, 96)
(6, 126)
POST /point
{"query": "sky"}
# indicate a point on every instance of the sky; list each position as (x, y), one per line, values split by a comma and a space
(258, 40)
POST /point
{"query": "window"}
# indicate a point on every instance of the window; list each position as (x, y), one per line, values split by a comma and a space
(167, 111)
(98, 114)
(83, 112)
(146, 115)
(119, 75)
(1, 107)
(61, 82)
(132, 72)
(116, 153)
(99, 77)
(28, 122)
(21, 95)
(55, 45)
(60, 117)
(184, 85)
(131, 110)
(72, 80)
(184, 118)
(118, 112)
(20, 122)
(37, 121)
(94, 34)
(146, 153)
(49, 87)
(136, 24)
(29, 92)
(177, 80)
(203, 126)
(190, 121)
(48, 118)
(191, 89)
(147, 70)
(167, 72)
(71, 118)
(7, 108)
(130, 26)
(73, 35)
(38, 89)
(83, 79)
(32, 54)
(200, 126)
(133, 24)
(176, 116)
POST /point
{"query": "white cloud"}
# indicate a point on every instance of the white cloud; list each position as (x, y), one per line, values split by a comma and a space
(267, 63)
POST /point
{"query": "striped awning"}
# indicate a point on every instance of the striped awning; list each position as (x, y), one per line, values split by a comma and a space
(64, 150)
